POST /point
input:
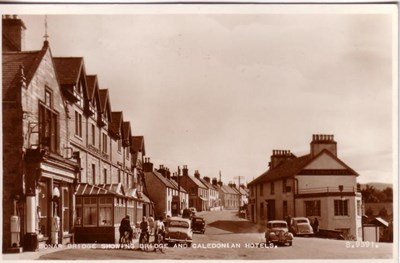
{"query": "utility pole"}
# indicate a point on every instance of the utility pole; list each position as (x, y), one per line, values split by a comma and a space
(179, 189)
(240, 195)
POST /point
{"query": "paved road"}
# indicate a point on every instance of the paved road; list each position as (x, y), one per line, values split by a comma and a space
(229, 237)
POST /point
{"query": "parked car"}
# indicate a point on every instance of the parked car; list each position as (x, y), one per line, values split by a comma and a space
(198, 224)
(300, 226)
(187, 213)
(278, 233)
(178, 230)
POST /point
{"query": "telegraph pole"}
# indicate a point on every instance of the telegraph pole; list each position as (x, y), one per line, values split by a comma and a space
(240, 195)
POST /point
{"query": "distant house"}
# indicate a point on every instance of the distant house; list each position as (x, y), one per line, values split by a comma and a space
(197, 190)
(213, 194)
(229, 196)
(315, 185)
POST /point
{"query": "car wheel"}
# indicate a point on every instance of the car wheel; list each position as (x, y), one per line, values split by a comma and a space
(290, 244)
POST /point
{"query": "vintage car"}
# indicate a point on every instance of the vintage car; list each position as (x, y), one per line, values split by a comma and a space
(187, 213)
(194, 210)
(178, 230)
(300, 226)
(278, 233)
(198, 224)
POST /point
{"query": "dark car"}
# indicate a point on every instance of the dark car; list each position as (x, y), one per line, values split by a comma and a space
(198, 224)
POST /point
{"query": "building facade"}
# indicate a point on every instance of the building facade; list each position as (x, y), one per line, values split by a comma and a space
(317, 185)
(196, 189)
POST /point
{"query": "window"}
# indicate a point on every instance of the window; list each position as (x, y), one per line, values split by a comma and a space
(89, 211)
(78, 90)
(78, 124)
(49, 127)
(127, 153)
(119, 145)
(105, 175)
(48, 98)
(313, 208)
(272, 188)
(105, 211)
(94, 173)
(104, 143)
(358, 208)
(119, 175)
(341, 208)
(261, 189)
(284, 185)
(93, 134)
(127, 180)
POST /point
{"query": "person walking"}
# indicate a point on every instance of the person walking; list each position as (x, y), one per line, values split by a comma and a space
(315, 226)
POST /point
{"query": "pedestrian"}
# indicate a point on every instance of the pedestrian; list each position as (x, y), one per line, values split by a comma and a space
(150, 219)
(144, 230)
(315, 226)
(125, 226)
(159, 228)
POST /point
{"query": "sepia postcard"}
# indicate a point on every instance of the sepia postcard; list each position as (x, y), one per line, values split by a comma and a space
(199, 131)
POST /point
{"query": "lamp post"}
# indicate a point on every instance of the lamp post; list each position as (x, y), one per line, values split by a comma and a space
(55, 224)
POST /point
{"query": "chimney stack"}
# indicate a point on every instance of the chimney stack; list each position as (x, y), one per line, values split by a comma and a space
(13, 33)
(207, 179)
(197, 174)
(185, 171)
(278, 156)
(215, 181)
(322, 142)
(147, 166)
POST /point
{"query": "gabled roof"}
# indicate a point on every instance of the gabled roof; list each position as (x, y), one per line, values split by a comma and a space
(196, 181)
(175, 183)
(92, 85)
(161, 178)
(13, 62)
(137, 144)
(294, 166)
(68, 69)
(116, 123)
(126, 132)
(105, 105)
(207, 184)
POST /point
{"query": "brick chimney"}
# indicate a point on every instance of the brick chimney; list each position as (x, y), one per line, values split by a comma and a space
(279, 156)
(321, 142)
(13, 33)
(185, 170)
(147, 165)
(207, 179)
(215, 181)
(197, 174)
(162, 170)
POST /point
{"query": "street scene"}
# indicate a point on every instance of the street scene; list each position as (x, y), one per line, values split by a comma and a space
(228, 237)
(186, 131)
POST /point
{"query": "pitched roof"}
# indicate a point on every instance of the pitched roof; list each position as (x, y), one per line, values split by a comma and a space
(175, 183)
(91, 81)
(103, 94)
(12, 74)
(116, 121)
(293, 166)
(68, 69)
(284, 169)
(207, 184)
(161, 178)
(126, 131)
(196, 181)
(137, 144)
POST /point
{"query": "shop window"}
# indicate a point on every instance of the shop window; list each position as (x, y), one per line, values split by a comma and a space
(42, 210)
(89, 211)
(105, 211)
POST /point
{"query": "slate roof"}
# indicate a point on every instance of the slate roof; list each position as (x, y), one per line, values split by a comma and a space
(175, 183)
(137, 144)
(160, 177)
(68, 69)
(126, 131)
(197, 181)
(103, 94)
(293, 166)
(207, 184)
(91, 81)
(115, 124)
(12, 62)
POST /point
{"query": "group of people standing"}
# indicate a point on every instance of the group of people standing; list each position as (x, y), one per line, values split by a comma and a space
(148, 226)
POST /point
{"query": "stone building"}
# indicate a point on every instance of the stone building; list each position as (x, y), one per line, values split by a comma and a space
(316, 185)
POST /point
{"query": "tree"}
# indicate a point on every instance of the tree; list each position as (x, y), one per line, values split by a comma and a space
(388, 191)
(369, 194)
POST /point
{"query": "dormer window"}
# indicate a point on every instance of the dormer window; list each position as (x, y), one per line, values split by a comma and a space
(78, 94)
(92, 108)
(103, 119)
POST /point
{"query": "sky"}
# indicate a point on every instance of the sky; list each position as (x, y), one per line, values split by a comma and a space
(219, 91)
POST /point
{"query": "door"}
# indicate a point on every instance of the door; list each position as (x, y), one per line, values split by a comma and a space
(271, 209)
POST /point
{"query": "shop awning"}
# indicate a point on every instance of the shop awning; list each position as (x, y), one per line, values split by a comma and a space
(202, 198)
